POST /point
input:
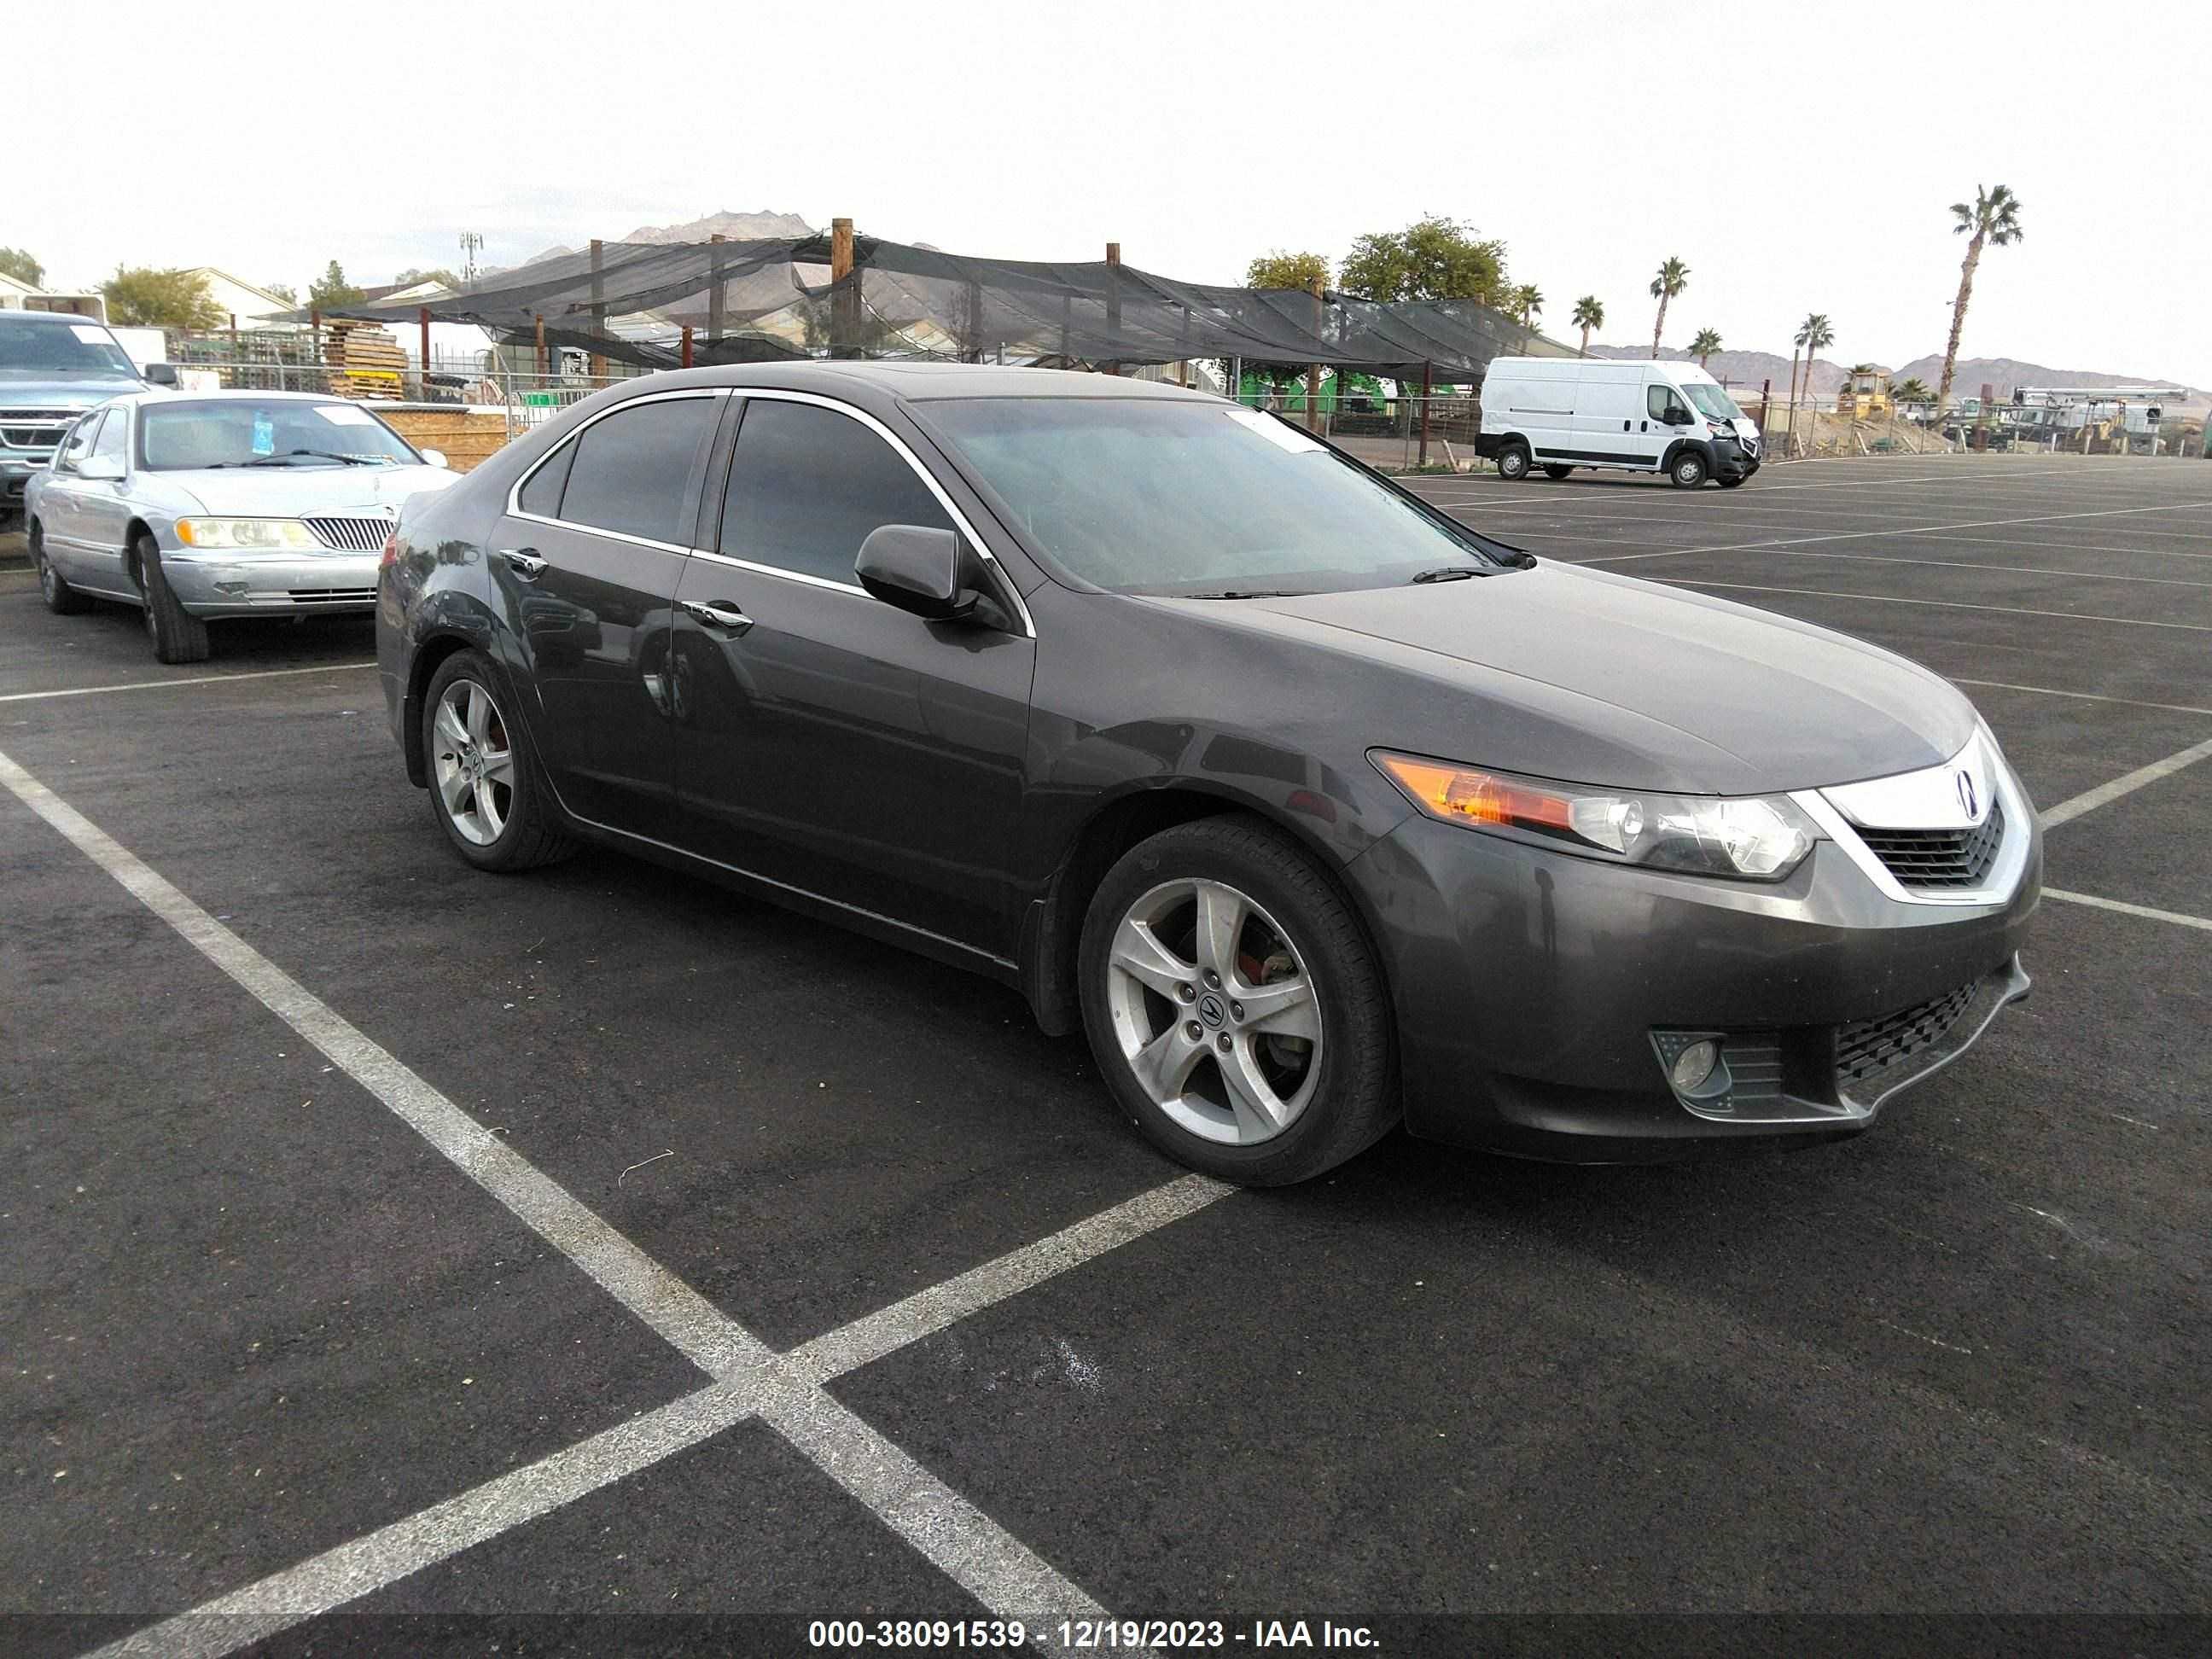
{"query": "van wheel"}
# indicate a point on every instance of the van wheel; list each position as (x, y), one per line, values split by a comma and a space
(178, 635)
(1688, 470)
(1735, 483)
(1556, 472)
(1513, 462)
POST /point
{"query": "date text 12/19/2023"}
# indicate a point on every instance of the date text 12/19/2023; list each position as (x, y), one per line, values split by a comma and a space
(1080, 1635)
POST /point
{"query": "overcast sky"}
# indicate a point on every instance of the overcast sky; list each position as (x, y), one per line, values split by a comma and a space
(1796, 157)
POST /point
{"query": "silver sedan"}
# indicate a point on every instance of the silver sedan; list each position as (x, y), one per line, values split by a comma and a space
(200, 505)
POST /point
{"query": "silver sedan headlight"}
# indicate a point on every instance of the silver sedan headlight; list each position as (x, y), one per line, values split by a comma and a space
(247, 534)
(1748, 838)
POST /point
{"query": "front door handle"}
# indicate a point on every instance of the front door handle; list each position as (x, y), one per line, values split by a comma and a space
(718, 613)
(524, 560)
(1624, 425)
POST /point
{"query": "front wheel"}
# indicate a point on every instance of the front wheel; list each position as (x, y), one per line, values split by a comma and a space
(1735, 483)
(1688, 471)
(178, 635)
(1512, 462)
(1232, 1003)
(1556, 472)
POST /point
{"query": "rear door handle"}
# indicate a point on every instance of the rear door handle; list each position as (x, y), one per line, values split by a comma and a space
(718, 613)
(524, 560)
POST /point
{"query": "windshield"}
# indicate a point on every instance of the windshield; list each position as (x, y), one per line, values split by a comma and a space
(1712, 403)
(185, 435)
(1190, 498)
(61, 351)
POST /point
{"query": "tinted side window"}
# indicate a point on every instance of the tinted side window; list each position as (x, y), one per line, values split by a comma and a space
(542, 495)
(78, 443)
(633, 470)
(807, 486)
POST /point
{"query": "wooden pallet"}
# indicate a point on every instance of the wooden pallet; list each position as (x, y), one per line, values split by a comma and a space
(364, 360)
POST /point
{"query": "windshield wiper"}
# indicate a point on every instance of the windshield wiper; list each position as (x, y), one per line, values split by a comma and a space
(1251, 593)
(318, 454)
(1448, 573)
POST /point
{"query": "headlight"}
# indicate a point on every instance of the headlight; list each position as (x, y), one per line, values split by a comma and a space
(260, 535)
(1759, 837)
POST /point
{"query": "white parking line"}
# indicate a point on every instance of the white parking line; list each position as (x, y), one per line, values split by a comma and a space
(195, 680)
(967, 1546)
(2087, 696)
(2127, 909)
(2090, 799)
(2012, 570)
(1944, 605)
(1896, 530)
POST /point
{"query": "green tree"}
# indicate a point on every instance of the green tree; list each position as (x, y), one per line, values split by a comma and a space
(283, 291)
(1281, 270)
(1589, 314)
(1992, 216)
(1433, 258)
(1911, 390)
(17, 262)
(140, 296)
(1814, 335)
(1704, 344)
(1674, 277)
(330, 290)
(413, 275)
(1528, 303)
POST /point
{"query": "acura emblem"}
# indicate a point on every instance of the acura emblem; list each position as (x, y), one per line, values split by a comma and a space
(1966, 792)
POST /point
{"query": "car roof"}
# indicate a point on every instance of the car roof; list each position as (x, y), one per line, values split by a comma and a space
(925, 382)
(166, 394)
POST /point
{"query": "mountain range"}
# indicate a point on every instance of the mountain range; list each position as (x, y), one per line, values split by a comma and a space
(1754, 369)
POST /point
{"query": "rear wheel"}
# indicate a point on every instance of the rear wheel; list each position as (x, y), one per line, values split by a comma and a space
(1233, 1006)
(485, 787)
(1688, 470)
(178, 635)
(1513, 462)
(61, 598)
(1555, 472)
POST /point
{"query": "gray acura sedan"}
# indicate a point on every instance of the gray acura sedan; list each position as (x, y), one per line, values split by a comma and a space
(1318, 811)
(200, 505)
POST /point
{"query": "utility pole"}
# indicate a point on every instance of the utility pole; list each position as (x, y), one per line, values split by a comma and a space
(1113, 366)
(1313, 370)
(844, 308)
(598, 305)
(472, 244)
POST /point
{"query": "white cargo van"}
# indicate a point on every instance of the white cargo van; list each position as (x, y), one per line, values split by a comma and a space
(1559, 413)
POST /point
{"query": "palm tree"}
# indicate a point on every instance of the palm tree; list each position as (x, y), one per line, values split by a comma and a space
(1674, 277)
(1704, 344)
(1992, 216)
(1589, 314)
(1527, 300)
(1911, 390)
(1814, 334)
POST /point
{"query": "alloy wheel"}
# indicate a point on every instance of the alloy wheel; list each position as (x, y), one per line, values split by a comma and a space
(1214, 1011)
(475, 762)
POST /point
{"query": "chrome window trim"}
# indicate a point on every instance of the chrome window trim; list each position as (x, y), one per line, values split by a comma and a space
(900, 447)
(2005, 873)
(514, 490)
(780, 572)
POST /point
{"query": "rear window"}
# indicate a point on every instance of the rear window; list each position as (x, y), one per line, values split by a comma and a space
(633, 469)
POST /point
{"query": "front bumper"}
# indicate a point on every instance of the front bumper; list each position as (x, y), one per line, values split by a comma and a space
(1732, 460)
(217, 584)
(1540, 995)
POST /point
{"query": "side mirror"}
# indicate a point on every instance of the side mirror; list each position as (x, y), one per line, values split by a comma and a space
(930, 573)
(435, 457)
(162, 374)
(100, 469)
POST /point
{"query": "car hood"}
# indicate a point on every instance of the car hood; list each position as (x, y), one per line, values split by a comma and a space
(23, 390)
(290, 491)
(1591, 677)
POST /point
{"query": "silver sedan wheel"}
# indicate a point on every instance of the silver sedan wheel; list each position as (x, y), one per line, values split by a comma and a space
(474, 763)
(1214, 1011)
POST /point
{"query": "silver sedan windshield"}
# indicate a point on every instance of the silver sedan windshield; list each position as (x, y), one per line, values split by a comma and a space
(189, 435)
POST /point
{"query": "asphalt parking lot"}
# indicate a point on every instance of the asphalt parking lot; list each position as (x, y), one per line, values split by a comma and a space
(389, 1238)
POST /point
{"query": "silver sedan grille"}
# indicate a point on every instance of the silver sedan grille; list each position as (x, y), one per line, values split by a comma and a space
(350, 535)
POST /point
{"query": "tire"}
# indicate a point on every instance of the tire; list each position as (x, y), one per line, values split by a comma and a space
(1308, 1101)
(1556, 473)
(1735, 483)
(61, 598)
(1687, 471)
(1512, 463)
(512, 826)
(178, 635)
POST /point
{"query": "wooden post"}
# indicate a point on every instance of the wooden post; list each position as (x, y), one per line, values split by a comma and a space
(972, 349)
(844, 312)
(1182, 345)
(686, 345)
(599, 306)
(423, 317)
(1766, 404)
(1313, 370)
(1068, 330)
(717, 302)
(1113, 303)
(1428, 390)
(544, 366)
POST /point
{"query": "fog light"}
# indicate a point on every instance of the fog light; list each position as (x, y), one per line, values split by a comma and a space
(1694, 1065)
